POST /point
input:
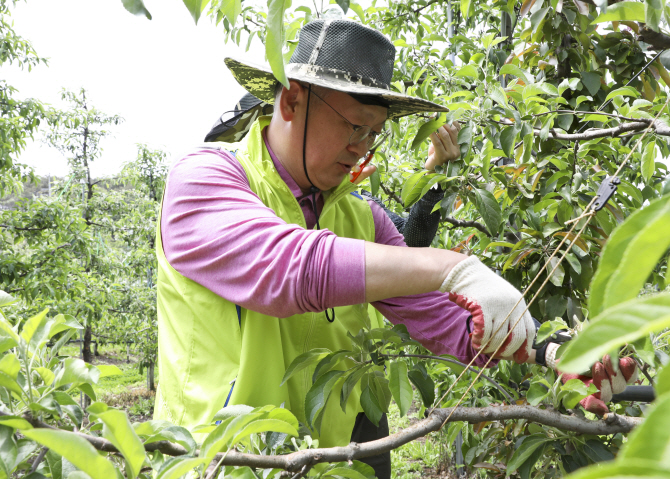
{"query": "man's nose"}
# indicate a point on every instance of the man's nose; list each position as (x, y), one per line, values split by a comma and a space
(360, 149)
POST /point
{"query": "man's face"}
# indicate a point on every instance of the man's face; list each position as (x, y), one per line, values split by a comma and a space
(330, 157)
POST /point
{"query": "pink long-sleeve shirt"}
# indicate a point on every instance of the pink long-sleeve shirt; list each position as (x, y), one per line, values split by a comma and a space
(217, 232)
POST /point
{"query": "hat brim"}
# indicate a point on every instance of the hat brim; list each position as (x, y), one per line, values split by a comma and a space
(260, 82)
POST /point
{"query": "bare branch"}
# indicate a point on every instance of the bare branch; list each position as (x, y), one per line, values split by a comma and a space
(25, 229)
(297, 462)
(659, 41)
(605, 132)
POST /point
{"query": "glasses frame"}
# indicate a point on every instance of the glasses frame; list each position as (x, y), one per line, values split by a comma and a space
(370, 136)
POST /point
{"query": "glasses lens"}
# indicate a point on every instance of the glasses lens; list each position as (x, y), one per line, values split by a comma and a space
(360, 134)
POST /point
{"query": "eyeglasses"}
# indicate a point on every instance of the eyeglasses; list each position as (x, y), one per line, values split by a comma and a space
(361, 132)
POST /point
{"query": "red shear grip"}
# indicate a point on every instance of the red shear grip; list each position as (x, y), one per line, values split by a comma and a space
(477, 317)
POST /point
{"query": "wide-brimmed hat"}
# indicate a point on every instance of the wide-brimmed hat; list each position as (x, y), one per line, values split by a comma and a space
(341, 55)
(234, 124)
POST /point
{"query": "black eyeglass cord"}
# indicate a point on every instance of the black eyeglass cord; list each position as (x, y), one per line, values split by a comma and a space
(313, 190)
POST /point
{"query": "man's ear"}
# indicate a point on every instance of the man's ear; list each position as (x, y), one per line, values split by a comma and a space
(291, 99)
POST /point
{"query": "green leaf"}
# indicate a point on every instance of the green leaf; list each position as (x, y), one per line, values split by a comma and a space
(231, 9)
(6, 299)
(489, 209)
(523, 75)
(631, 11)
(653, 13)
(574, 391)
(411, 191)
(649, 161)
(630, 254)
(651, 441)
(36, 329)
(10, 383)
(274, 39)
(467, 71)
(63, 322)
(465, 8)
(507, 140)
(614, 327)
(549, 328)
(524, 451)
(371, 406)
(264, 425)
(536, 394)
(662, 380)
(75, 449)
(400, 387)
(344, 5)
(195, 7)
(319, 393)
(176, 434)
(350, 384)
(624, 91)
(118, 431)
(620, 470)
(375, 181)
(76, 372)
(304, 361)
(498, 95)
(233, 410)
(344, 472)
(15, 422)
(425, 385)
(591, 81)
(426, 129)
(178, 467)
(136, 7)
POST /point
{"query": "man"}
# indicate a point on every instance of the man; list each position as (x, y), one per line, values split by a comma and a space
(269, 253)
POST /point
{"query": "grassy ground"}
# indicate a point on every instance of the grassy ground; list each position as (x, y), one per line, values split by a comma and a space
(425, 458)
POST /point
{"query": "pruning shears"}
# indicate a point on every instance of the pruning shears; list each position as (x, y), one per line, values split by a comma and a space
(369, 156)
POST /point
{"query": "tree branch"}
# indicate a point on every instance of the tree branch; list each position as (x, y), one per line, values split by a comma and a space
(659, 41)
(25, 229)
(295, 462)
(391, 194)
(605, 132)
(467, 224)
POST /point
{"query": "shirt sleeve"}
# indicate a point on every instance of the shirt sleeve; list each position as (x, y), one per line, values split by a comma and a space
(216, 231)
(439, 324)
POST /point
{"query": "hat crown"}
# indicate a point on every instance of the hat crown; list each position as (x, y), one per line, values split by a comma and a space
(348, 47)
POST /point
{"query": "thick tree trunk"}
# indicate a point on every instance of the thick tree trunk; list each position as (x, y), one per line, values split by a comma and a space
(86, 349)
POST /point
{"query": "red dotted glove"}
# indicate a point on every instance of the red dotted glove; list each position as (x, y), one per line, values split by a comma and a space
(606, 378)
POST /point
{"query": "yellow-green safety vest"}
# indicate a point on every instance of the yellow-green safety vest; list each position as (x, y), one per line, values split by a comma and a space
(212, 352)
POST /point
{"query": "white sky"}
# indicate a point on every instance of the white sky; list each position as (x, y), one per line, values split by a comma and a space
(165, 76)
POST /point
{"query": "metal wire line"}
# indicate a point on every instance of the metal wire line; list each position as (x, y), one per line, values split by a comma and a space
(587, 213)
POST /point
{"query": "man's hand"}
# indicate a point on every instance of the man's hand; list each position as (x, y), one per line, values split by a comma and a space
(444, 146)
(608, 377)
(491, 300)
(365, 174)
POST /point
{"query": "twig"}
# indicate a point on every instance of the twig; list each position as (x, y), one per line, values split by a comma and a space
(453, 361)
(39, 459)
(391, 194)
(642, 368)
(467, 224)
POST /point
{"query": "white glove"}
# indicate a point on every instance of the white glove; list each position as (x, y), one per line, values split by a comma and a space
(490, 298)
